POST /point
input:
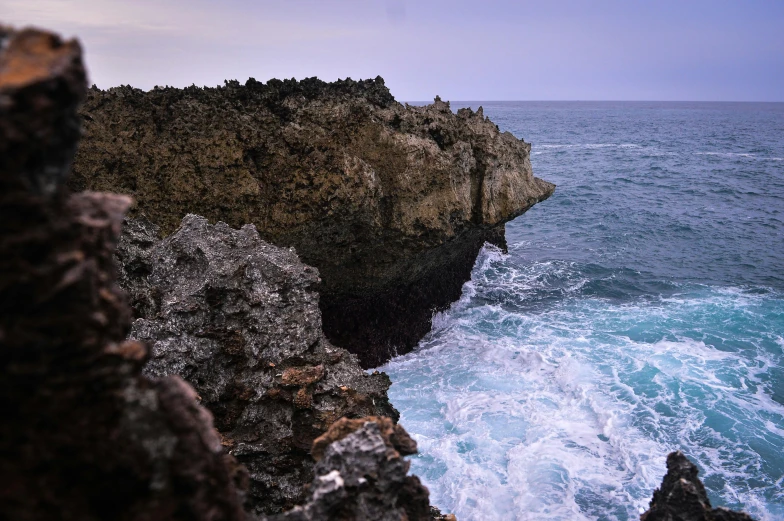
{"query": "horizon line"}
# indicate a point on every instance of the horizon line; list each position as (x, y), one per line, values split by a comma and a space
(587, 101)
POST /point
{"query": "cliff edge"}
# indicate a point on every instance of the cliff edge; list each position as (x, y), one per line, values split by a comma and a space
(390, 203)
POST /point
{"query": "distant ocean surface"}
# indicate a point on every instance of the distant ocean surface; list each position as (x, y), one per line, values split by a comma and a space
(640, 310)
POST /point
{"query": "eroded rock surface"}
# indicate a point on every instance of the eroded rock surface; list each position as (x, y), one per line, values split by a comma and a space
(239, 320)
(83, 435)
(682, 496)
(390, 203)
(361, 474)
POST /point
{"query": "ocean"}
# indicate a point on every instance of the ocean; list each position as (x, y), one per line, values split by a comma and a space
(639, 310)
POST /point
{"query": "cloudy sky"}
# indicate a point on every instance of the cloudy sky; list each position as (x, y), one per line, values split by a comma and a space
(459, 49)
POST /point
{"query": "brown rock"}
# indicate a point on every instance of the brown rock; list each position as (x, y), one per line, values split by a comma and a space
(395, 436)
(302, 375)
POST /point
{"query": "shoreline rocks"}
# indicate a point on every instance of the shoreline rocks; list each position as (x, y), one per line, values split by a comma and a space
(390, 203)
(86, 436)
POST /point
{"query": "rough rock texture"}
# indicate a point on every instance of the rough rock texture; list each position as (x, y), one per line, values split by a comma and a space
(390, 203)
(238, 319)
(83, 435)
(361, 475)
(682, 496)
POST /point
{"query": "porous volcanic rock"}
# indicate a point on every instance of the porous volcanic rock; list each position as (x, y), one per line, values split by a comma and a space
(361, 475)
(238, 319)
(84, 436)
(391, 203)
(682, 496)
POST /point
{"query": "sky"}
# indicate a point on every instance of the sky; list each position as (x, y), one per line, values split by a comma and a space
(691, 50)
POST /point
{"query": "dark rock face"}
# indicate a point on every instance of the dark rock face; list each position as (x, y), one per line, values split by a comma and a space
(83, 436)
(682, 496)
(361, 474)
(238, 319)
(390, 203)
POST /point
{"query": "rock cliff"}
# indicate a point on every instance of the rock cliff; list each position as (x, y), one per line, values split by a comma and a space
(390, 203)
(238, 319)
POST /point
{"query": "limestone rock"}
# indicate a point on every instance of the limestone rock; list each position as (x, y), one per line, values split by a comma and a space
(682, 496)
(83, 435)
(238, 319)
(390, 203)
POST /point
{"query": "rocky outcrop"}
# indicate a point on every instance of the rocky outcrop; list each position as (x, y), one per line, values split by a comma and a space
(682, 496)
(238, 319)
(361, 474)
(390, 203)
(83, 435)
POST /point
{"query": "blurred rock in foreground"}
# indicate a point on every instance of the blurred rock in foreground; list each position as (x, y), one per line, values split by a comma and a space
(83, 436)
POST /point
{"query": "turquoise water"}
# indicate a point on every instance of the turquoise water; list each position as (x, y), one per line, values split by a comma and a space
(639, 310)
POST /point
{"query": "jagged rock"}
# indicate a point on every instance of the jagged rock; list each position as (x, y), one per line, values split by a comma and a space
(682, 496)
(83, 435)
(238, 319)
(134, 259)
(394, 435)
(361, 475)
(390, 203)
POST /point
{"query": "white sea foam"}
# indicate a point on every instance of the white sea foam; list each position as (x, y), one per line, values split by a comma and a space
(590, 145)
(565, 414)
(744, 155)
(725, 154)
(645, 150)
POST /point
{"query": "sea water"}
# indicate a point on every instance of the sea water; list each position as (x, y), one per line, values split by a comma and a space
(638, 311)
